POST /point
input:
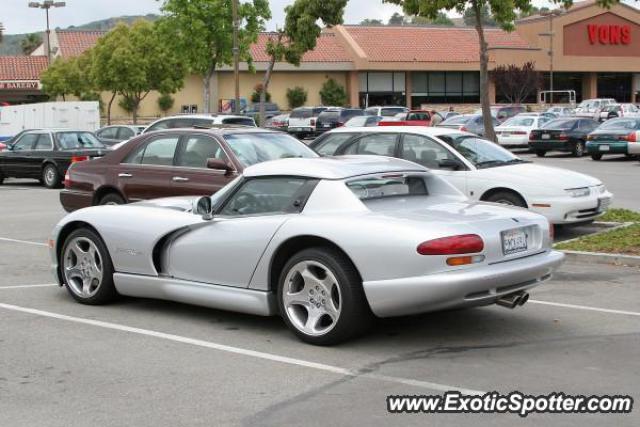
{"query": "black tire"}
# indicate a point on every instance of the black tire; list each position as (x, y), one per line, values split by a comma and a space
(50, 176)
(596, 156)
(105, 291)
(541, 153)
(112, 199)
(1, 178)
(506, 198)
(355, 315)
(578, 149)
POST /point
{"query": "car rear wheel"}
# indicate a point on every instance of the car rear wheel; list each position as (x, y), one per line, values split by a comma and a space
(541, 153)
(596, 156)
(112, 199)
(86, 267)
(321, 298)
(506, 198)
(578, 149)
(50, 176)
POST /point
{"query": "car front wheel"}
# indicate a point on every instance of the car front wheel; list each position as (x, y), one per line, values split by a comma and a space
(86, 267)
(507, 198)
(578, 149)
(50, 176)
(321, 298)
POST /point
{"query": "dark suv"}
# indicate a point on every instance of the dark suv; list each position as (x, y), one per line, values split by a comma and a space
(335, 117)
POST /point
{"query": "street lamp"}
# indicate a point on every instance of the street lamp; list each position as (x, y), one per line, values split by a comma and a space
(236, 56)
(550, 14)
(46, 5)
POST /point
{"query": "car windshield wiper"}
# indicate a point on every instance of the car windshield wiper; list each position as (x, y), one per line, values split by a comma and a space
(495, 163)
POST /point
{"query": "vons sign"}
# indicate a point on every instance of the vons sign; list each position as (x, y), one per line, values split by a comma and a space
(609, 34)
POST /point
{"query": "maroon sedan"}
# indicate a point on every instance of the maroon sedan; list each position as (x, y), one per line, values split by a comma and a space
(177, 162)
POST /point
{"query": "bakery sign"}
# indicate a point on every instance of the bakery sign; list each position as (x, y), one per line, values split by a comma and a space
(19, 85)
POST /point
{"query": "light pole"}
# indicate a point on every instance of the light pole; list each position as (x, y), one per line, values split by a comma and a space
(236, 56)
(46, 5)
(550, 34)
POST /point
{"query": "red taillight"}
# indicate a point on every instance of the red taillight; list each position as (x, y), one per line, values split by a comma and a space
(563, 137)
(340, 124)
(632, 137)
(76, 159)
(67, 179)
(532, 136)
(313, 122)
(519, 132)
(463, 129)
(454, 245)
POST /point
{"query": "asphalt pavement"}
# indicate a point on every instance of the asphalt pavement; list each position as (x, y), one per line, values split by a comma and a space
(155, 363)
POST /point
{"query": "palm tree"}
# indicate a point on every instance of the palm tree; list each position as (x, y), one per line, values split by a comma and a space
(30, 43)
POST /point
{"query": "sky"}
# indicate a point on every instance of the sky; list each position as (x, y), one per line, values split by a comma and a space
(18, 18)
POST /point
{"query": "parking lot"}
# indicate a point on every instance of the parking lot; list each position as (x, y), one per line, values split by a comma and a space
(144, 362)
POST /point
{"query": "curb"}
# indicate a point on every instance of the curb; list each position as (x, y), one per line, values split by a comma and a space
(602, 258)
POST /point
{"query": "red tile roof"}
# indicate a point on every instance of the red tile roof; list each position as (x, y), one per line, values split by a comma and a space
(73, 43)
(22, 67)
(328, 49)
(427, 44)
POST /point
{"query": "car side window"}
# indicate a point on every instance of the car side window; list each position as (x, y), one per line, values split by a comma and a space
(160, 151)
(268, 196)
(197, 149)
(332, 143)
(110, 133)
(44, 142)
(125, 133)
(424, 151)
(382, 144)
(165, 124)
(25, 142)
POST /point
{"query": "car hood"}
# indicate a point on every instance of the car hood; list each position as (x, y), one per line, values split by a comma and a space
(183, 203)
(543, 177)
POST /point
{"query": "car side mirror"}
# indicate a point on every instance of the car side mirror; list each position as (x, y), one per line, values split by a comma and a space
(218, 164)
(202, 206)
(449, 164)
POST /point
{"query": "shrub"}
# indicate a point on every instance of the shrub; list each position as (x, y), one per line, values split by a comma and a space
(127, 104)
(257, 90)
(296, 97)
(165, 102)
(332, 93)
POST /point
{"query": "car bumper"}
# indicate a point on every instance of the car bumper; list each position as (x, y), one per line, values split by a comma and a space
(633, 148)
(572, 210)
(301, 130)
(606, 147)
(464, 288)
(551, 145)
(74, 200)
(513, 141)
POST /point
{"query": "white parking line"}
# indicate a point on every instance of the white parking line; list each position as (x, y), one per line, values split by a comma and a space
(242, 351)
(584, 307)
(25, 242)
(44, 285)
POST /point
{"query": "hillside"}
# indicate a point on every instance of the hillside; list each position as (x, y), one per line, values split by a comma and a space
(11, 42)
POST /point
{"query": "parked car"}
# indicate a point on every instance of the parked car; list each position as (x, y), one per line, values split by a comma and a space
(613, 137)
(480, 169)
(472, 123)
(3, 146)
(591, 107)
(199, 120)
(271, 110)
(111, 135)
(441, 116)
(363, 121)
(302, 121)
(634, 149)
(561, 111)
(504, 112)
(568, 134)
(385, 111)
(411, 118)
(618, 110)
(46, 155)
(514, 132)
(335, 117)
(324, 243)
(175, 162)
(279, 122)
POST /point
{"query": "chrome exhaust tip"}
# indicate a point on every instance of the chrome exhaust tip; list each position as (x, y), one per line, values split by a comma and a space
(513, 300)
(523, 298)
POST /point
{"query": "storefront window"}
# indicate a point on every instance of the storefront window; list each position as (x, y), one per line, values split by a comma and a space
(445, 87)
(615, 85)
(382, 88)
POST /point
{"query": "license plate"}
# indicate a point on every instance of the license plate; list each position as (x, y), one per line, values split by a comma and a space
(603, 148)
(514, 241)
(326, 126)
(546, 136)
(506, 134)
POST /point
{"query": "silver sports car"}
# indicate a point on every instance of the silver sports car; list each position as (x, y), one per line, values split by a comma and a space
(325, 242)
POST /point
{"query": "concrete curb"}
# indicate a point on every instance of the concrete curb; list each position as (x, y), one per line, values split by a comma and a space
(602, 258)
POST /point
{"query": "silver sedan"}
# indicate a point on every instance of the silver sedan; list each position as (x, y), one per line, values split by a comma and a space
(326, 243)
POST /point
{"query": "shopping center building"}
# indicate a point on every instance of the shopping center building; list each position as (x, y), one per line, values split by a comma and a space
(595, 53)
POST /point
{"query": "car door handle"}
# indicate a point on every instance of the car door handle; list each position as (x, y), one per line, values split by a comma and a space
(180, 179)
(125, 175)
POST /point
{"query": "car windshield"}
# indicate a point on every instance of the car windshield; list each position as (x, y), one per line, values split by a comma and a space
(519, 121)
(72, 140)
(391, 185)
(457, 120)
(356, 121)
(631, 124)
(252, 148)
(301, 113)
(562, 124)
(482, 153)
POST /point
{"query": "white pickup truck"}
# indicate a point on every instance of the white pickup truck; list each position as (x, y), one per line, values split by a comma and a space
(591, 107)
(302, 121)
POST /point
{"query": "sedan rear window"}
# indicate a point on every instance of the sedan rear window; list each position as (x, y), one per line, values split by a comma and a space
(391, 185)
(562, 124)
(72, 140)
(243, 121)
(631, 124)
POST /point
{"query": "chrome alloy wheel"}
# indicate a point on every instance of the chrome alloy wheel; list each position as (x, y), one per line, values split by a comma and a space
(311, 298)
(505, 202)
(83, 267)
(50, 176)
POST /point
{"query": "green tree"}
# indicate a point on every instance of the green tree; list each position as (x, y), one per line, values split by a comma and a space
(333, 93)
(1, 31)
(202, 31)
(440, 19)
(67, 77)
(396, 19)
(260, 95)
(30, 43)
(486, 16)
(296, 97)
(371, 22)
(165, 102)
